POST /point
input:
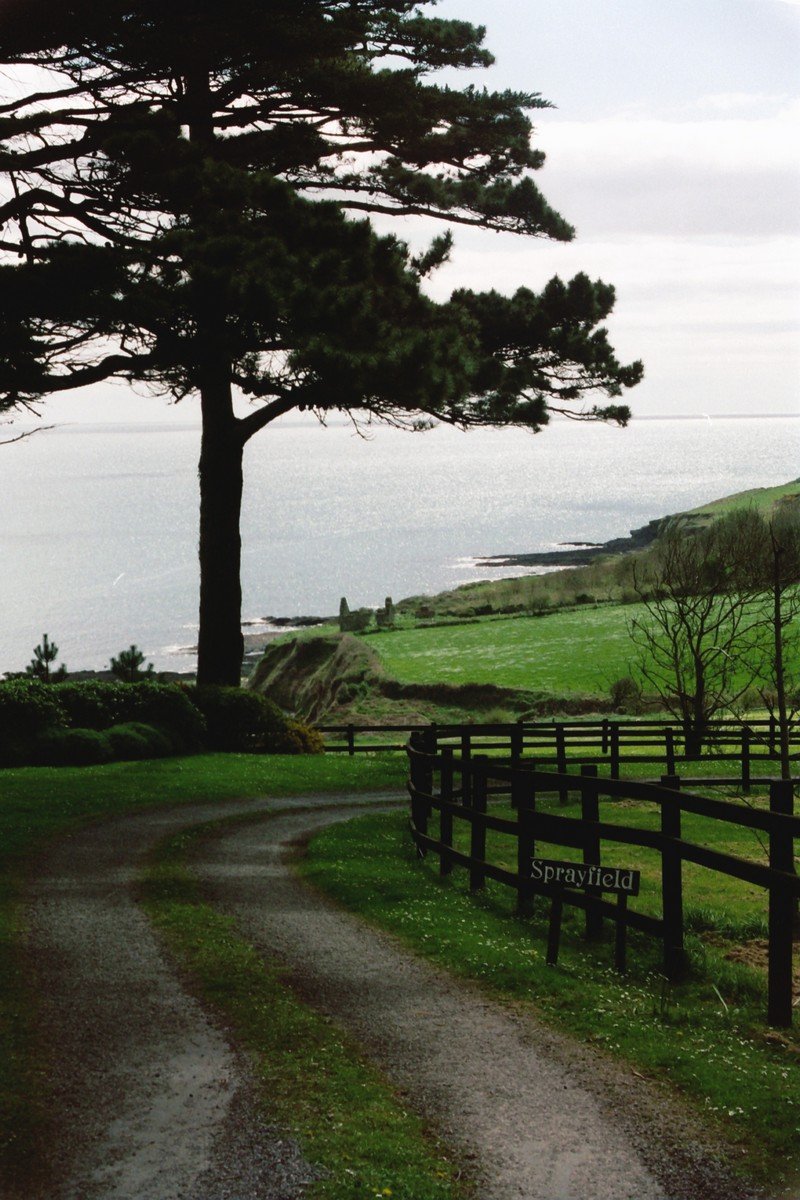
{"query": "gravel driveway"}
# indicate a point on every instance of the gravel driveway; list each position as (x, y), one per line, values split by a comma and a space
(152, 1102)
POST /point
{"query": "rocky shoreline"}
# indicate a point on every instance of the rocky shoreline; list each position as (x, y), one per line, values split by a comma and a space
(580, 554)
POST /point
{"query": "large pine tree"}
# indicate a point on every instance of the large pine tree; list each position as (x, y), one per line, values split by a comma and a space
(185, 184)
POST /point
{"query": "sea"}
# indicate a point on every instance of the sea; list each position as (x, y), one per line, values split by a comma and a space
(98, 545)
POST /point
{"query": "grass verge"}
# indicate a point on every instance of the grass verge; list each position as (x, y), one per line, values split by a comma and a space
(40, 803)
(314, 1083)
(705, 1037)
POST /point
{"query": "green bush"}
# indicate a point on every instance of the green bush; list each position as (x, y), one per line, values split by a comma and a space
(626, 696)
(136, 740)
(91, 703)
(92, 721)
(301, 739)
(169, 708)
(28, 709)
(239, 720)
(72, 748)
(97, 704)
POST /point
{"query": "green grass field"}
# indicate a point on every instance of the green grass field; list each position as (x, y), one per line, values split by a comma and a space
(568, 652)
(579, 651)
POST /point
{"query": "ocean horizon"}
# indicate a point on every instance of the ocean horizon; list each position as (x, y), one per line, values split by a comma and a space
(99, 543)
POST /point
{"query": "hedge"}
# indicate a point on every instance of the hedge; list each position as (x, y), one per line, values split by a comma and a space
(92, 721)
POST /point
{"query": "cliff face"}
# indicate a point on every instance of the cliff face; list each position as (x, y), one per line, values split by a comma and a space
(316, 676)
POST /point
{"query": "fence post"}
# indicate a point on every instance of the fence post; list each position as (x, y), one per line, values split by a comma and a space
(746, 759)
(604, 736)
(772, 735)
(672, 880)
(523, 799)
(477, 848)
(351, 739)
(425, 785)
(416, 783)
(669, 750)
(554, 931)
(445, 814)
(561, 761)
(515, 740)
(590, 811)
(614, 768)
(621, 934)
(466, 773)
(781, 910)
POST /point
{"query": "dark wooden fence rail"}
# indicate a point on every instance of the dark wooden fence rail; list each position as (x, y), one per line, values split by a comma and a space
(561, 743)
(458, 787)
(360, 739)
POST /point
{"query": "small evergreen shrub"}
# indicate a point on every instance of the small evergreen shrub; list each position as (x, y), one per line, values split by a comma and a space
(135, 740)
(42, 665)
(72, 748)
(129, 666)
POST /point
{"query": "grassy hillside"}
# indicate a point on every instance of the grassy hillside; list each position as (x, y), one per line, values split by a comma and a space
(578, 651)
(768, 500)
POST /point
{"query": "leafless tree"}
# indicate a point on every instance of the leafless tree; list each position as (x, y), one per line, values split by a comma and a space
(699, 623)
(770, 565)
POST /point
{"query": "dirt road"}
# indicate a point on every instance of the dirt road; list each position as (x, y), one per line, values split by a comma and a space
(152, 1102)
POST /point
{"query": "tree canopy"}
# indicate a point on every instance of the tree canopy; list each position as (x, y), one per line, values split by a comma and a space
(186, 202)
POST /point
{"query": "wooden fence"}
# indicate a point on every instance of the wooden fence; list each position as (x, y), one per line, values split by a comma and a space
(458, 787)
(560, 744)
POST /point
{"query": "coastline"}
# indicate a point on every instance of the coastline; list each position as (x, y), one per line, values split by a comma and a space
(580, 554)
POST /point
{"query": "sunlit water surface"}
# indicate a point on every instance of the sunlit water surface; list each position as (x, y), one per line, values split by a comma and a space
(98, 541)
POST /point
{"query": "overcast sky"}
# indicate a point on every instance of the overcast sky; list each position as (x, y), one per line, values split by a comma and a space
(675, 151)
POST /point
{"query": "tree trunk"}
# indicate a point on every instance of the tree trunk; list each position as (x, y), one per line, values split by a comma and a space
(780, 678)
(220, 642)
(220, 646)
(697, 726)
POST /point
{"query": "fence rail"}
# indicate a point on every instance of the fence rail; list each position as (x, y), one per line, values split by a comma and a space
(610, 741)
(458, 787)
